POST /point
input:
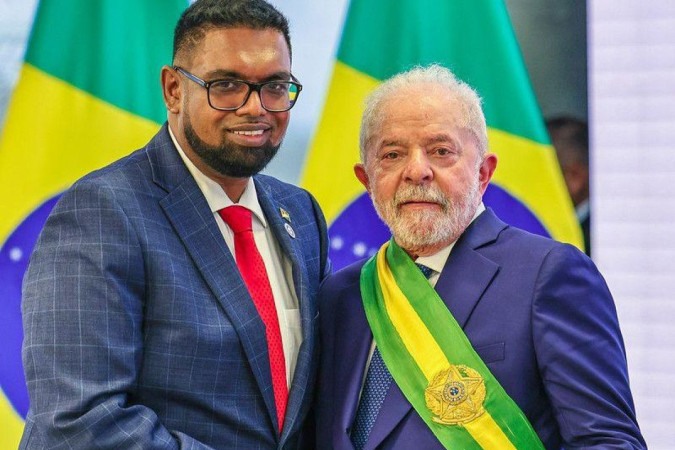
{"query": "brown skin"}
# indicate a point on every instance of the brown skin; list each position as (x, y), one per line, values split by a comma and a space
(422, 143)
(242, 53)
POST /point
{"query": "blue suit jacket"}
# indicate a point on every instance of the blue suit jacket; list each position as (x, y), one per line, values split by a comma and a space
(139, 331)
(537, 312)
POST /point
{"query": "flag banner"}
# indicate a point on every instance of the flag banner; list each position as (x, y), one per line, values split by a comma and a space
(476, 41)
(88, 93)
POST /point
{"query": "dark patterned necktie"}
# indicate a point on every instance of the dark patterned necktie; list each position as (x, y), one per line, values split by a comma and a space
(427, 271)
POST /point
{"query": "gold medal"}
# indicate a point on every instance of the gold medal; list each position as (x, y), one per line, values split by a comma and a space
(455, 395)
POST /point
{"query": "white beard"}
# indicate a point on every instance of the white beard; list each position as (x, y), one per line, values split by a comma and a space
(416, 231)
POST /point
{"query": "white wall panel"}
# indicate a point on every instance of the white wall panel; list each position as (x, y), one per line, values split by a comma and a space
(632, 116)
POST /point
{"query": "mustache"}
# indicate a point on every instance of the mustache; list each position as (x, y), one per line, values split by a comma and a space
(429, 194)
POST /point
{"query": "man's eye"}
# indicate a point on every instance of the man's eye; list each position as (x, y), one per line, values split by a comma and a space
(277, 87)
(225, 86)
(391, 155)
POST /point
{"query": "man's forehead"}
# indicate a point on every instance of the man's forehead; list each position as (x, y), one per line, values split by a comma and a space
(235, 38)
(421, 102)
(243, 53)
(421, 119)
(240, 40)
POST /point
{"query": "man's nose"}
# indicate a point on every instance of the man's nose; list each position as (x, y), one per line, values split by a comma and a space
(253, 106)
(418, 168)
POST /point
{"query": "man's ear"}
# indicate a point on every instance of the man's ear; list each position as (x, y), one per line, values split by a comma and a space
(171, 89)
(486, 170)
(360, 172)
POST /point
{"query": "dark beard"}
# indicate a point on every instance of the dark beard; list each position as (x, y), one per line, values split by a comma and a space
(230, 159)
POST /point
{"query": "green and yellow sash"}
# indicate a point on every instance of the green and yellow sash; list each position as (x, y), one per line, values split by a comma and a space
(433, 362)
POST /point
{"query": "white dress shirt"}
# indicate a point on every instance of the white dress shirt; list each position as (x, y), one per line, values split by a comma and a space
(278, 265)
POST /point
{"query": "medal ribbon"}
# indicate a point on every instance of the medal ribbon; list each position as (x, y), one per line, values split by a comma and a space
(419, 338)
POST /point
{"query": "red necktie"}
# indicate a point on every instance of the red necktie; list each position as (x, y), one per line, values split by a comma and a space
(252, 268)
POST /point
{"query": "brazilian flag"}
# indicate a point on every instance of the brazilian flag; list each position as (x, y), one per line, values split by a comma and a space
(473, 38)
(88, 94)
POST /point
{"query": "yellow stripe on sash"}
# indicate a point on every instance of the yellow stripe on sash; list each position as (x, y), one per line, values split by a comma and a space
(426, 353)
(415, 335)
(487, 433)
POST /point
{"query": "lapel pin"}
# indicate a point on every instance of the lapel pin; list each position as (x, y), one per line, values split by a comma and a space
(285, 215)
(290, 230)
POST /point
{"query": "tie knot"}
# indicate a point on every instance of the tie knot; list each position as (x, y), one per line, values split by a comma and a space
(427, 271)
(237, 217)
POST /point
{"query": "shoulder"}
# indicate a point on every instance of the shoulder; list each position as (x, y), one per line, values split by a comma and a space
(156, 160)
(101, 194)
(524, 256)
(490, 236)
(138, 176)
(546, 251)
(559, 274)
(124, 172)
(106, 203)
(344, 281)
(514, 245)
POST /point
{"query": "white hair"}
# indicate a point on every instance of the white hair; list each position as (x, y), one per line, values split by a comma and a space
(469, 100)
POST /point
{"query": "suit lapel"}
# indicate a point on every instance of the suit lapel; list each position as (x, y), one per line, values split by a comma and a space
(282, 227)
(189, 213)
(467, 273)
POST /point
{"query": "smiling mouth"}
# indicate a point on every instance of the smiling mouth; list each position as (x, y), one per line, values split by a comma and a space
(248, 132)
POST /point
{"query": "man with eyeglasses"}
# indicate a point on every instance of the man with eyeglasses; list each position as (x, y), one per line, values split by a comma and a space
(170, 301)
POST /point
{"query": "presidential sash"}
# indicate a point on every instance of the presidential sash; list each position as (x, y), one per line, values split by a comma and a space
(433, 362)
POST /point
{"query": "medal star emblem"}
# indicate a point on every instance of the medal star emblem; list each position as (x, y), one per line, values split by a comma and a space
(455, 395)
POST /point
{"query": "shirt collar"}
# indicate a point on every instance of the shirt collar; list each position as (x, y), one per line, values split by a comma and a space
(214, 194)
(438, 259)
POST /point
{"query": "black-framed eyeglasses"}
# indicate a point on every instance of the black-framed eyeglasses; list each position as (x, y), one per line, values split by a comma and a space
(231, 94)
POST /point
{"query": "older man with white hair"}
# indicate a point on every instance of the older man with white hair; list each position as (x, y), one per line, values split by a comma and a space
(462, 332)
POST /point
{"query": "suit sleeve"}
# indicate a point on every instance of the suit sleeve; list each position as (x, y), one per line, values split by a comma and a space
(581, 354)
(82, 316)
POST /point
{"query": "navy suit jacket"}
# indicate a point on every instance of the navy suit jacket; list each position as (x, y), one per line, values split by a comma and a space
(537, 312)
(139, 331)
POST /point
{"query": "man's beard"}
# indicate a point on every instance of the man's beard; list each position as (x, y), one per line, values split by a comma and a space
(415, 231)
(230, 159)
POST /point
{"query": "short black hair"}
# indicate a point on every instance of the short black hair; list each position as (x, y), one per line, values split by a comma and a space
(204, 15)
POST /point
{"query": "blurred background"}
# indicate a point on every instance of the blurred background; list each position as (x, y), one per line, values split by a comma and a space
(611, 63)
(552, 35)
